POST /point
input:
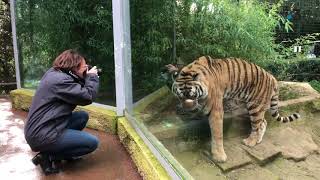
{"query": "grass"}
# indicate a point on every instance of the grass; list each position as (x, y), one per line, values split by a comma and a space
(286, 94)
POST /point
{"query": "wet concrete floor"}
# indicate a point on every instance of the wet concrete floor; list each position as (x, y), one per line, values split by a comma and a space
(109, 161)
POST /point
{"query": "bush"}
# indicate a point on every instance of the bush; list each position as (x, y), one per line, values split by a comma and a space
(46, 28)
(305, 70)
(227, 29)
(296, 70)
(277, 68)
(315, 84)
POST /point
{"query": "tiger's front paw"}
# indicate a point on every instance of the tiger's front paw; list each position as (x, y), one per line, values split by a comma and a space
(219, 156)
(250, 141)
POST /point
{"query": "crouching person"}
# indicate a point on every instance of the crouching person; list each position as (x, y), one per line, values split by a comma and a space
(52, 128)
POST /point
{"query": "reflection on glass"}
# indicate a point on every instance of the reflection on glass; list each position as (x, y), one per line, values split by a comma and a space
(178, 32)
(47, 28)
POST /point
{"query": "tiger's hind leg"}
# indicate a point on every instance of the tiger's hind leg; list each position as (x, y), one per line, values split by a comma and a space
(258, 128)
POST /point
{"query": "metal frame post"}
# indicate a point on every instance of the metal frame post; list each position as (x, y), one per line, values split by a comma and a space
(122, 55)
(14, 41)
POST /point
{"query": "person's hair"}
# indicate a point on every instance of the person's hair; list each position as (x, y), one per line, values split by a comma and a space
(68, 60)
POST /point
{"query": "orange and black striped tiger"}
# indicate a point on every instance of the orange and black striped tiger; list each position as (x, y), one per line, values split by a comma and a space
(204, 83)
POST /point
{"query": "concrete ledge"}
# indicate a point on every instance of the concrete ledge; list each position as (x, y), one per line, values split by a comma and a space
(100, 118)
(147, 164)
(21, 98)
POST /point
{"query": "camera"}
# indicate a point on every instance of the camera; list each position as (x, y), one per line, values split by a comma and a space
(98, 69)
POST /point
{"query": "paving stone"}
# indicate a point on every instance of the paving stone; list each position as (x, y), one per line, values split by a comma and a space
(197, 172)
(294, 144)
(237, 157)
(302, 170)
(252, 172)
(263, 152)
(198, 167)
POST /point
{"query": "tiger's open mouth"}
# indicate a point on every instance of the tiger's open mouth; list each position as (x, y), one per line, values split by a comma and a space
(189, 104)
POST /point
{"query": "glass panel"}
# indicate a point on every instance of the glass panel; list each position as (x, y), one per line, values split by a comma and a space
(258, 32)
(152, 38)
(47, 28)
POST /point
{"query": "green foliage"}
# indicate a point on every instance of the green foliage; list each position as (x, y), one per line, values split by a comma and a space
(46, 28)
(7, 71)
(294, 69)
(225, 28)
(306, 42)
(315, 84)
(162, 32)
(278, 68)
(304, 70)
(152, 23)
(179, 31)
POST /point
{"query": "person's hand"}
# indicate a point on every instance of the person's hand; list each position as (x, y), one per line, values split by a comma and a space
(93, 70)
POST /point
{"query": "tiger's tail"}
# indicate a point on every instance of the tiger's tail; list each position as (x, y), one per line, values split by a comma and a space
(275, 111)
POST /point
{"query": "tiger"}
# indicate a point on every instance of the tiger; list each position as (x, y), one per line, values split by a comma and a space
(205, 83)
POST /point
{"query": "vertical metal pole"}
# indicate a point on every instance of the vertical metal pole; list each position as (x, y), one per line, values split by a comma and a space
(174, 44)
(14, 41)
(122, 55)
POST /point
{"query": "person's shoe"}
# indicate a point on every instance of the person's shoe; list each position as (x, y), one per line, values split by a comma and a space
(45, 164)
(71, 159)
(36, 159)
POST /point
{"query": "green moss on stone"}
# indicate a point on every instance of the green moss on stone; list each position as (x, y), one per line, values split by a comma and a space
(146, 162)
(101, 118)
(21, 98)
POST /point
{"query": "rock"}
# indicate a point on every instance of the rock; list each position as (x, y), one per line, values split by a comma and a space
(289, 169)
(263, 152)
(294, 144)
(198, 167)
(237, 157)
(252, 172)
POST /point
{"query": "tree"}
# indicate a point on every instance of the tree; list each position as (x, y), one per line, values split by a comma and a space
(7, 70)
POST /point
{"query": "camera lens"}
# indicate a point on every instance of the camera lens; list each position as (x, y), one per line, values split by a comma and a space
(99, 70)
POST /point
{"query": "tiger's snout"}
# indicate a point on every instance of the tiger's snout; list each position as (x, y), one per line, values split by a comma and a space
(188, 94)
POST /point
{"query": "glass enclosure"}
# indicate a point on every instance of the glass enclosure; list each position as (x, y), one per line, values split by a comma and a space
(47, 28)
(282, 37)
(178, 32)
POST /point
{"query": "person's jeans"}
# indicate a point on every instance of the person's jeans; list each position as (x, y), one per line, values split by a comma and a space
(74, 142)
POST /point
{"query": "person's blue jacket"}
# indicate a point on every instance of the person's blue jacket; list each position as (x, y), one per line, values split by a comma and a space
(56, 97)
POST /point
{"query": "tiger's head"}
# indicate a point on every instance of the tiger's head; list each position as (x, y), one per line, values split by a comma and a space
(189, 85)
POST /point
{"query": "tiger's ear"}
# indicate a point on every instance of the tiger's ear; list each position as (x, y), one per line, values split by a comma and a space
(172, 69)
